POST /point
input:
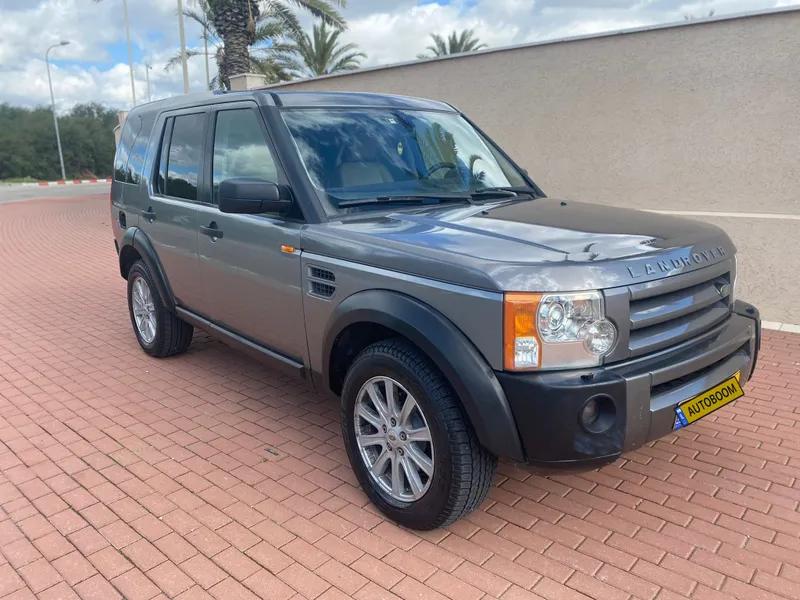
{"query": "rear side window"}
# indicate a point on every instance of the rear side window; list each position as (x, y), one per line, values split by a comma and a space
(183, 157)
(138, 152)
(130, 132)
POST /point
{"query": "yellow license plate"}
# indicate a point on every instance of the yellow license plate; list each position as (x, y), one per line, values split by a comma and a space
(696, 408)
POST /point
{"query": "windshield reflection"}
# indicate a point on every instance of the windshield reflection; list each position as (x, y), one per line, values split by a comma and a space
(355, 153)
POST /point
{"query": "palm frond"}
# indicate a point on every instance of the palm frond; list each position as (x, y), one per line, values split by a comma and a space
(280, 12)
(319, 53)
(177, 59)
(269, 30)
(323, 10)
(455, 43)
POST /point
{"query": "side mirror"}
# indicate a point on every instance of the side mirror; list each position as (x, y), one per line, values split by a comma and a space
(252, 196)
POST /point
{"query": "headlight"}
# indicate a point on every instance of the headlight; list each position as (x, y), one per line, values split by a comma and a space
(556, 331)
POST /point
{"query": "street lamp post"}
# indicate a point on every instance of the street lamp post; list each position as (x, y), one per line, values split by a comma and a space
(53, 103)
(183, 48)
(130, 54)
(147, 75)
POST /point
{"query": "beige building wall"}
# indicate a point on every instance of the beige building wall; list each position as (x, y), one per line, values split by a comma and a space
(696, 117)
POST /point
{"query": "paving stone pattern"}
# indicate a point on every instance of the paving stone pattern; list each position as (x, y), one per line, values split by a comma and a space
(209, 476)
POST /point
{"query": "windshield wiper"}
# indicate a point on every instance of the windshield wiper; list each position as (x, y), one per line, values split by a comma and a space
(404, 199)
(502, 192)
(488, 193)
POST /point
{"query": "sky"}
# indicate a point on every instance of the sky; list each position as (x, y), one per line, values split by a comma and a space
(94, 66)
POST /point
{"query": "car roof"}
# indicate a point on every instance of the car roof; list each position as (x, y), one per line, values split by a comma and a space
(292, 99)
(354, 99)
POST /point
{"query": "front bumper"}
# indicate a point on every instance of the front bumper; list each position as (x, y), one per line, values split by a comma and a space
(642, 391)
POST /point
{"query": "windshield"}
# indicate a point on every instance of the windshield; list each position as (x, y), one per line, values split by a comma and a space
(354, 153)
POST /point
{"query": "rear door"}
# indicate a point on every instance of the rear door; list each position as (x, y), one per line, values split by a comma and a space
(170, 215)
(250, 277)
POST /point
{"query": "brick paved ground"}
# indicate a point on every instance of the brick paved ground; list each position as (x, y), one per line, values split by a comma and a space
(209, 476)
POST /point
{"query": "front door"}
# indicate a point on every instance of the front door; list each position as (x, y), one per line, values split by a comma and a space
(250, 278)
(169, 213)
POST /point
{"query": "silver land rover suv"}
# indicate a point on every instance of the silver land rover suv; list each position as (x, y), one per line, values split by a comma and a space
(386, 250)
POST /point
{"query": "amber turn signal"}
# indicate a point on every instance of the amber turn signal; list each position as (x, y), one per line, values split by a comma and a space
(521, 341)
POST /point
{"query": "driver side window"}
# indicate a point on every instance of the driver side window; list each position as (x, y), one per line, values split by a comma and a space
(240, 149)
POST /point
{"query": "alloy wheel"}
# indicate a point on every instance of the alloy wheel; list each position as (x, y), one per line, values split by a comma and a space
(394, 439)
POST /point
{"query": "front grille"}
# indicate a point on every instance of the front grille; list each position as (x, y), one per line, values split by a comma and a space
(671, 310)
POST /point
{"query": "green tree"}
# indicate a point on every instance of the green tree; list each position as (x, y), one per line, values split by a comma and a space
(235, 21)
(28, 142)
(455, 43)
(320, 53)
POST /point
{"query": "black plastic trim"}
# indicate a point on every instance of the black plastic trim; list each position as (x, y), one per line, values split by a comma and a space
(138, 240)
(261, 353)
(472, 378)
(547, 409)
(748, 311)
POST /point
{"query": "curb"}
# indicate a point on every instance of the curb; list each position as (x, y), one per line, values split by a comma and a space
(778, 326)
(68, 182)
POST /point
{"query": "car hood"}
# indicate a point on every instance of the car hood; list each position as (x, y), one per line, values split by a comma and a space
(533, 245)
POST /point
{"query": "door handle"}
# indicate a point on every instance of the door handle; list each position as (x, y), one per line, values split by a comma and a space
(149, 214)
(211, 231)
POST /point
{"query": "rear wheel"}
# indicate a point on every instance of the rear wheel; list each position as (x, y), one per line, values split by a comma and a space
(159, 332)
(411, 445)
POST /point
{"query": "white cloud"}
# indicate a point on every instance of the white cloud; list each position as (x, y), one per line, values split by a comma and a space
(387, 30)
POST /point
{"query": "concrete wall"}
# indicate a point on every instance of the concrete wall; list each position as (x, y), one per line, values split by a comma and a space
(695, 117)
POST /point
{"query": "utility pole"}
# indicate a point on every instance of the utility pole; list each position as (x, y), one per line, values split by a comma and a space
(147, 75)
(130, 54)
(183, 48)
(53, 103)
(205, 46)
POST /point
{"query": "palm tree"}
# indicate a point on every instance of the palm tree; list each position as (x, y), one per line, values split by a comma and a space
(235, 21)
(320, 53)
(268, 29)
(456, 43)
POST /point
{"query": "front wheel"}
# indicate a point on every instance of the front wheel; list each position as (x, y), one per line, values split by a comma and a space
(409, 441)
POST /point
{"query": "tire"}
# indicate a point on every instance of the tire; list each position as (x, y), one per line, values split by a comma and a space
(462, 468)
(171, 335)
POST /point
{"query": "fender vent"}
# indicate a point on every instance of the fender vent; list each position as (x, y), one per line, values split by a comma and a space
(323, 290)
(320, 282)
(323, 274)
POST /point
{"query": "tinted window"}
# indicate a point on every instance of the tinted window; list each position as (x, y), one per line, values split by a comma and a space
(126, 141)
(138, 152)
(240, 149)
(183, 161)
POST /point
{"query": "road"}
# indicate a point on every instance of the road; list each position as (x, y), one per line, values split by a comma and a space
(769, 262)
(13, 193)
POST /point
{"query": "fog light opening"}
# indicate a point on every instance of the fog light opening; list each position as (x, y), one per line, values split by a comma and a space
(598, 414)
